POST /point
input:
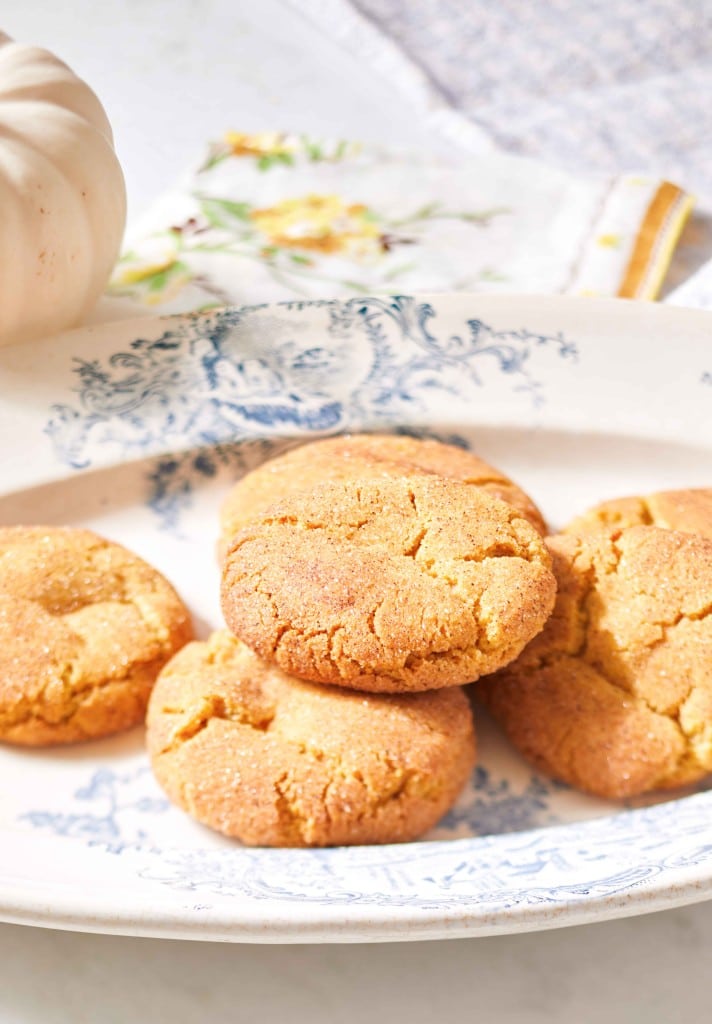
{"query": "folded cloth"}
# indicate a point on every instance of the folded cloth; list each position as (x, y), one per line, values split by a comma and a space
(587, 85)
(274, 216)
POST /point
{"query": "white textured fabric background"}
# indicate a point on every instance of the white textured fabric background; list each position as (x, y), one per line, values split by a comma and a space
(589, 85)
(586, 84)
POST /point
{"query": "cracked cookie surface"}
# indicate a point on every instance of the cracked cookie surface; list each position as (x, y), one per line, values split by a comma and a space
(391, 585)
(363, 455)
(615, 695)
(85, 627)
(274, 761)
(689, 511)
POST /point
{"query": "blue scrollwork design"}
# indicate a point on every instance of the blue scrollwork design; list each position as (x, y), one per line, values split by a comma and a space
(208, 384)
(120, 813)
(240, 372)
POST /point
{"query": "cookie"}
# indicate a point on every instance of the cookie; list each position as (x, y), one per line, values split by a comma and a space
(392, 585)
(615, 695)
(273, 761)
(85, 627)
(688, 510)
(363, 455)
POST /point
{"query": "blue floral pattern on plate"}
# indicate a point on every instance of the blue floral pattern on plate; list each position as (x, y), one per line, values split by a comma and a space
(195, 385)
(198, 398)
(201, 383)
(117, 811)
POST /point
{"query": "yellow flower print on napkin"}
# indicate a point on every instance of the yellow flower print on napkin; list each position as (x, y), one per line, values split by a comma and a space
(274, 149)
(324, 224)
(261, 144)
(157, 281)
(275, 213)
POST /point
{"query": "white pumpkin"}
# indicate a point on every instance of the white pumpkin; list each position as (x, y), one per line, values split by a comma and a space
(62, 195)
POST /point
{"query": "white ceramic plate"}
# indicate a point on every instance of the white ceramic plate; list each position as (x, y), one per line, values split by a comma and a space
(137, 428)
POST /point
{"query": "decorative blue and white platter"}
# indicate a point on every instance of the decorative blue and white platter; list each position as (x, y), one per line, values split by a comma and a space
(138, 428)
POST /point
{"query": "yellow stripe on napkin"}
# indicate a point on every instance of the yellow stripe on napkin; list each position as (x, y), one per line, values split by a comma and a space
(655, 242)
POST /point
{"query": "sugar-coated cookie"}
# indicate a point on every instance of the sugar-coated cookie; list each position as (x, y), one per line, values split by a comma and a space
(363, 455)
(273, 761)
(687, 510)
(393, 584)
(615, 695)
(85, 627)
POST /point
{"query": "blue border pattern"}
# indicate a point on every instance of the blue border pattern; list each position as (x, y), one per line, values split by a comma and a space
(208, 385)
(242, 373)
(205, 386)
(584, 860)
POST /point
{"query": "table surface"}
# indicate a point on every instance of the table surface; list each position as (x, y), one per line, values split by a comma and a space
(171, 75)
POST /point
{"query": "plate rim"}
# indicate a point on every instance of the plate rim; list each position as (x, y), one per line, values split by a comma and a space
(191, 920)
(372, 925)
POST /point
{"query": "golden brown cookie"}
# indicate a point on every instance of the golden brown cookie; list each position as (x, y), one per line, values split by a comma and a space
(392, 585)
(615, 695)
(363, 455)
(688, 510)
(85, 627)
(274, 761)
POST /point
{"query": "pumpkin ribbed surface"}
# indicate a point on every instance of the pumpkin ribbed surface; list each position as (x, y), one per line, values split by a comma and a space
(62, 195)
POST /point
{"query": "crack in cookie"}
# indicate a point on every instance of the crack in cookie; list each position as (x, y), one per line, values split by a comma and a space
(85, 627)
(363, 456)
(390, 585)
(688, 511)
(273, 760)
(615, 695)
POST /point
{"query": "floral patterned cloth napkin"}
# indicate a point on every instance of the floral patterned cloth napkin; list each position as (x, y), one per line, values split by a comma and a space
(276, 216)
